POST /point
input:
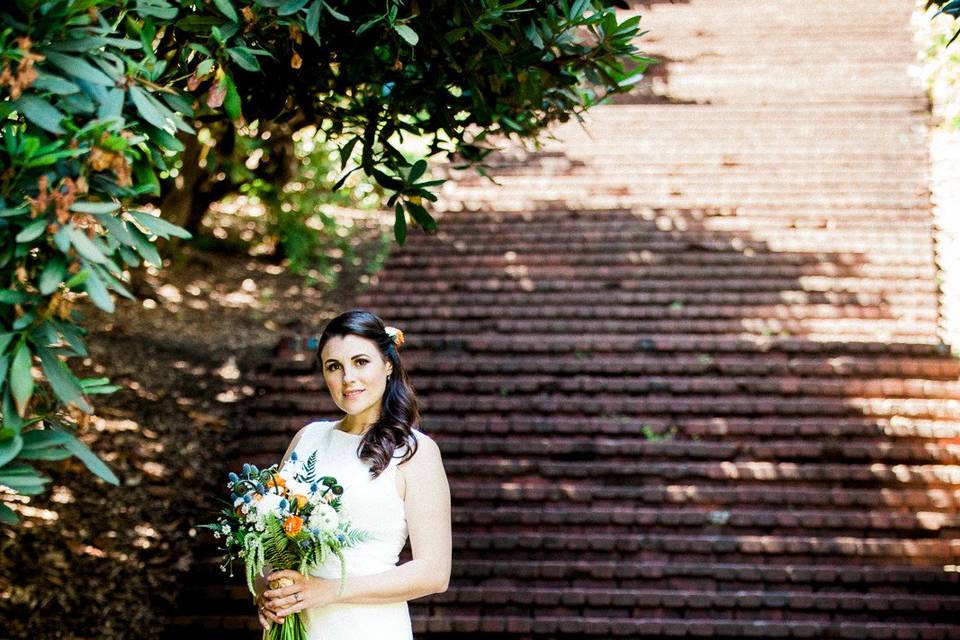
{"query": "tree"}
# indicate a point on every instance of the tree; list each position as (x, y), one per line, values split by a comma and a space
(101, 100)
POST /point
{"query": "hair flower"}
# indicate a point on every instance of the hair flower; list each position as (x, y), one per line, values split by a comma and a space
(395, 334)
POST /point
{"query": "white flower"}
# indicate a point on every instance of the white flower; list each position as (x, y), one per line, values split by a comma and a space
(324, 517)
(268, 505)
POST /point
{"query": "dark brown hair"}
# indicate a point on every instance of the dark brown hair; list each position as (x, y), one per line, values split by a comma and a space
(399, 410)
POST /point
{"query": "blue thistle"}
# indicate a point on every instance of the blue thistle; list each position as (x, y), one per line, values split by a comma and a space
(293, 457)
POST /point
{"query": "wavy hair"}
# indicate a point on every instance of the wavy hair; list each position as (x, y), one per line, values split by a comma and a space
(399, 409)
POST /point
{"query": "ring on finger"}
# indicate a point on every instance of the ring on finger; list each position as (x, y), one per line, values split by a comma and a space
(298, 596)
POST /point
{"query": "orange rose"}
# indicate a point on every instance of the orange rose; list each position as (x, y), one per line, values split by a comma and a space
(301, 500)
(292, 525)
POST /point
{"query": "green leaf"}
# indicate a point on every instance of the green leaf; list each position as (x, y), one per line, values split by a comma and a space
(291, 6)
(84, 246)
(231, 103)
(32, 231)
(40, 112)
(227, 9)
(416, 171)
(11, 296)
(50, 453)
(313, 18)
(98, 291)
(8, 515)
(87, 206)
(10, 448)
(52, 275)
(90, 459)
(21, 380)
(40, 438)
(407, 34)
(243, 58)
(54, 84)
(156, 8)
(149, 110)
(334, 13)
(79, 68)
(400, 226)
(159, 226)
(423, 218)
(144, 247)
(62, 380)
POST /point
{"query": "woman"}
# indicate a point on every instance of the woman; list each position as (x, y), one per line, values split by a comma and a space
(394, 485)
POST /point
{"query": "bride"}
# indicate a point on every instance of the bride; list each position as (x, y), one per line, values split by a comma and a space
(394, 485)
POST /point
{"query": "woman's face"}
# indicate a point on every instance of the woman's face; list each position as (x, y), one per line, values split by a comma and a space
(352, 363)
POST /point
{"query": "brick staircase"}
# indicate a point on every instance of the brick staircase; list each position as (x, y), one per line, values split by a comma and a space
(684, 365)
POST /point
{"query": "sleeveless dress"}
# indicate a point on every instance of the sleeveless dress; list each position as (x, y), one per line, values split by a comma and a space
(372, 505)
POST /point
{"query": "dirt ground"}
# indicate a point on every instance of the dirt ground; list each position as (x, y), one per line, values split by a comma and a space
(96, 561)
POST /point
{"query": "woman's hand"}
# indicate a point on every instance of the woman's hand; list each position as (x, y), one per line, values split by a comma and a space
(304, 593)
(265, 615)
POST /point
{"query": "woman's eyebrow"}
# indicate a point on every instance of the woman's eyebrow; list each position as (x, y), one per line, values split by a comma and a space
(354, 357)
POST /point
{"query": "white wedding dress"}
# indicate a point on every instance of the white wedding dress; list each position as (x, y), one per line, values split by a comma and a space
(372, 505)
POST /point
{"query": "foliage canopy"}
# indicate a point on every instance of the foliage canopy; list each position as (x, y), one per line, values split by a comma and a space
(98, 96)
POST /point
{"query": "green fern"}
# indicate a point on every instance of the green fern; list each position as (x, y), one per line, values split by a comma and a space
(309, 469)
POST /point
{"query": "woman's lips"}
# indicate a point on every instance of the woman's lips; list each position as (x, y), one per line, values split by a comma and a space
(352, 394)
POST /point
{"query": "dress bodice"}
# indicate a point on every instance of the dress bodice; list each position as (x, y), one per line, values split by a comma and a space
(374, 506)
(371, 504)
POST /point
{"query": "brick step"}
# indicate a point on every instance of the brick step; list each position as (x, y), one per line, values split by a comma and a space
(613, 221)
(628, 196)
(650, 405)
(442, 627)
(866, 366)
(697, 321)
(694, 261)
(597, 447)
(610, 320)
(915, 329)
(522, 280)
(809, 475)
(442, 426)
(492, 494)
(654, 404)
(568, 526)
(470, 383)
(626, 302)
(591, 179)
(598, 542)
(695, 599)
(494, 201)
(670, 242)
(716, 346)
(729, 575)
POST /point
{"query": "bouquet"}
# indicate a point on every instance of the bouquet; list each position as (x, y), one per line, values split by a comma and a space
(290, 520)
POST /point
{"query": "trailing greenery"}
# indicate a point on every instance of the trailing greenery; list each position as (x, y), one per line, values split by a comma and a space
(101, 101)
